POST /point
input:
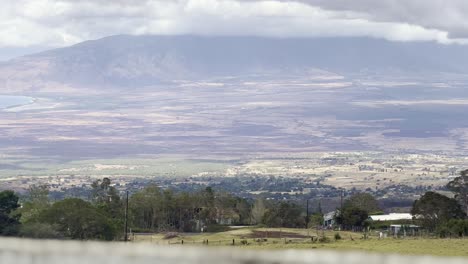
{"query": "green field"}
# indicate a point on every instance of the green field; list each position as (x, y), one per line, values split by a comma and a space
(269, 239)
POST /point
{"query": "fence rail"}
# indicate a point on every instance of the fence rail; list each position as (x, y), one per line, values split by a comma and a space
(241, 241)
(22, 251)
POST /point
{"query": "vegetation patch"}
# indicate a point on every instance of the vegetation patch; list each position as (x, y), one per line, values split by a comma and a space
(171, 235)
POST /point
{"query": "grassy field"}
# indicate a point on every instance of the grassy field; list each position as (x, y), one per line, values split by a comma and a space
(269, 239)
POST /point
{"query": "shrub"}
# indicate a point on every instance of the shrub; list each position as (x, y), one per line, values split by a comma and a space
(217, 228)
(337, 236)
(171, 235)
(40, 231)
(324, 240)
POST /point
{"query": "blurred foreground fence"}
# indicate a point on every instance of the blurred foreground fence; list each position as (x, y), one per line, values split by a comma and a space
(19, 251)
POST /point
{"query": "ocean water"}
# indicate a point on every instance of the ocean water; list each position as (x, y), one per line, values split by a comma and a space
(9, 101)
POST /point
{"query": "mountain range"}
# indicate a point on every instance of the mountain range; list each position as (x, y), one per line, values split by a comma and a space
(142, 60)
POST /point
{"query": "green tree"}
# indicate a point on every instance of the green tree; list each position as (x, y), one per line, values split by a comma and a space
(77, 219)
(258, 211)
(459, 186)
(106, 196)
(9, 222)
(351, 217)
(226, 209)
(284, 214)
(433, 210)
(243, 208)
(363, 201)
(146, 208)
(206, 202)
(36, 200)
(454, 227)
(316, 220)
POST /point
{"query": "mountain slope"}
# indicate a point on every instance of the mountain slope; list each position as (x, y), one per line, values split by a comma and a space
(135, 60)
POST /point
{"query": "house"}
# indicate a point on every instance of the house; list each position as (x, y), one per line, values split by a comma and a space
(329, 218)
(397, 224)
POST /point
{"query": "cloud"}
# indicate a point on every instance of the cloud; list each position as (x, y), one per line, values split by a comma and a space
(449, 16)
(55, 23)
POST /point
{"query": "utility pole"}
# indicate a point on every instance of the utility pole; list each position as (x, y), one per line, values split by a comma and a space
(307, 215)
(319, 209)
(341, 203)
(126, 219)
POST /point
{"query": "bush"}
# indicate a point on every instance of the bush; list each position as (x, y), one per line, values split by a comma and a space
(40, 231)
(453, 228)
(171, 235)
(217, 228)
(337, 236)
(324, 240)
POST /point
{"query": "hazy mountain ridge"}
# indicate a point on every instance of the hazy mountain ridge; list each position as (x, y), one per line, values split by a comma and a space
(140, 60)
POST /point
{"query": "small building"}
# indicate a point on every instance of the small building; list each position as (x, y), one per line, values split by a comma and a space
(329, 218)
(396, 224)
(404, 230)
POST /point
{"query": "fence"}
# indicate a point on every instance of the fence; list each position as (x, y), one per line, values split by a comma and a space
(242, 241)
(19, 251)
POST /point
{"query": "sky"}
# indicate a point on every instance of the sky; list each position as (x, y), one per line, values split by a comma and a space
(31, 25)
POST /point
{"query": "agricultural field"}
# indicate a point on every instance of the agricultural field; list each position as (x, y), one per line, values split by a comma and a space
(269, 239)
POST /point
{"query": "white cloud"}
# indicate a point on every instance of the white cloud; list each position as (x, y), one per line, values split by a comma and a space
(54, 23)
(449, 16)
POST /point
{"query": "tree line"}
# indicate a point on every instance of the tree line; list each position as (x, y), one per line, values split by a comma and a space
(152, 209)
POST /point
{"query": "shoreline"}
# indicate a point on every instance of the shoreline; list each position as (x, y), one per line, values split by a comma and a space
(32, 101)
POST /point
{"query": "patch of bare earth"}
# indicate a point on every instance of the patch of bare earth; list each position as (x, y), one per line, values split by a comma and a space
(273, 234)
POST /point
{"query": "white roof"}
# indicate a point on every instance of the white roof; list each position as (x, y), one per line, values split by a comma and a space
(330, 215)
(391, 217)
(413, 226)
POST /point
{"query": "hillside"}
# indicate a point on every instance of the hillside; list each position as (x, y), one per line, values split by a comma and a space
(143, 60)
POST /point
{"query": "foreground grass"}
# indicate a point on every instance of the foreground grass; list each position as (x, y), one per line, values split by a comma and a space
(351, 241)
(435, 247)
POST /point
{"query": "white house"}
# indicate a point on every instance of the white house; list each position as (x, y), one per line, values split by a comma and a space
(329, 218)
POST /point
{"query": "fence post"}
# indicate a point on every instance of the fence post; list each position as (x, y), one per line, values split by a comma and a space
(233, 242)
(182, 241)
